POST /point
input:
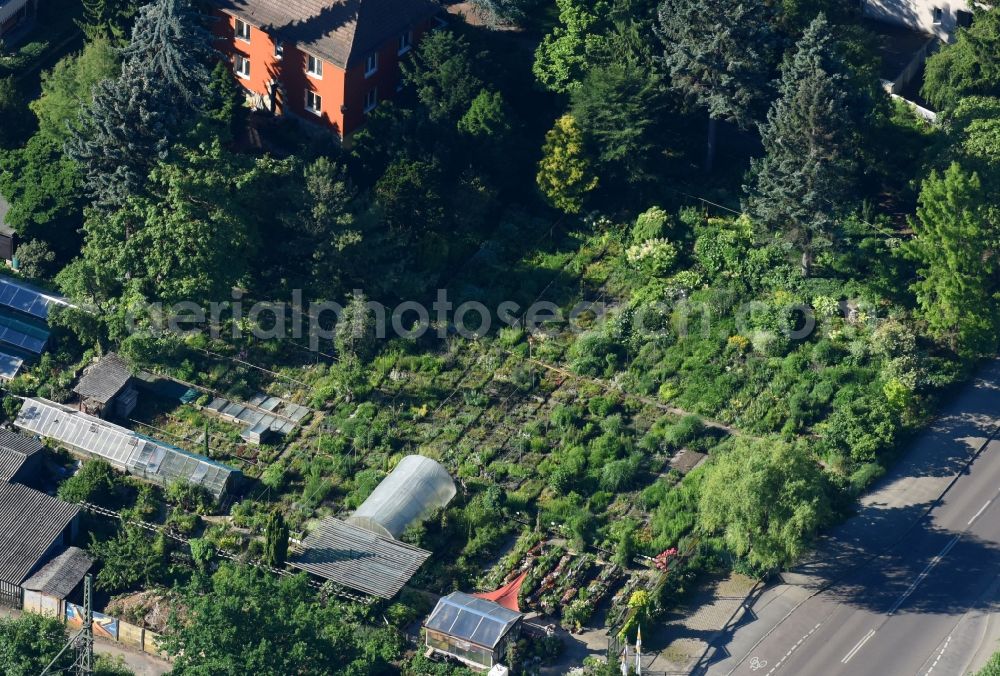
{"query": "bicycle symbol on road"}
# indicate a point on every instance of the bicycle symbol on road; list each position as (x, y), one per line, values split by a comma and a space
(757, 663)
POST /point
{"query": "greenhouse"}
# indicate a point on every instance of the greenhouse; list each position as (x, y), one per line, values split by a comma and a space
(150, 459)
(471, 629)
(414, 489)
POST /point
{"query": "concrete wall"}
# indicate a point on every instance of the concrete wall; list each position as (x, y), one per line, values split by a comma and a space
(918, 15)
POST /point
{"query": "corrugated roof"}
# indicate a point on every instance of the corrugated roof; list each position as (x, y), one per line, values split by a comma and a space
(103, 380)
(19, 443)
(472, 619)
(15, 449)
(10, 463)
(359, 559)
(130, 451)
(30, 521)
(342, 32)
(60, 576)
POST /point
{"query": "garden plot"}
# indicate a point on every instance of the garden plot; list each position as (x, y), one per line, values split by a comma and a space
(262, 417)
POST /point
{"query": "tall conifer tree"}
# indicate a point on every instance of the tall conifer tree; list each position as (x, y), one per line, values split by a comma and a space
(135, 118)
(718, 54)
(802, 184)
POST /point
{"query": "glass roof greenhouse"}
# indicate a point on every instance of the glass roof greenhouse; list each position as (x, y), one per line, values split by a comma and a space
(135, 453)
(415, 488)
(472, 619)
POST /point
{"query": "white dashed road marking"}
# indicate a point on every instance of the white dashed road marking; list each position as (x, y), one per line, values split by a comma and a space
(940, 655)
(792, 649)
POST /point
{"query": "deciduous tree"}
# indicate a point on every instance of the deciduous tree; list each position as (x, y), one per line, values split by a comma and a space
(572, 47)
(767, 497)
(970, 66)
(291, 631)
(956, 244)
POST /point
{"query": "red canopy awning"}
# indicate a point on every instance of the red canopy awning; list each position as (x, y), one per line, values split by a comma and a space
(507, 595)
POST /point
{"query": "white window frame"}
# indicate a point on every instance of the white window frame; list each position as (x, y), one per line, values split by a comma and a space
(405, 42)
(317, 102)
(238, 62)
(239, 34)
(314, 67)
(373, 95)
(279, 49)
(371, 64)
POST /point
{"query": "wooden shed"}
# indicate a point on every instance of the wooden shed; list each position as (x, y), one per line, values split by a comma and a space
(106, 389)
(46, 591)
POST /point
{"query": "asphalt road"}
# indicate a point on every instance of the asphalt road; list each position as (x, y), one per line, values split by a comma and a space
(910, 585)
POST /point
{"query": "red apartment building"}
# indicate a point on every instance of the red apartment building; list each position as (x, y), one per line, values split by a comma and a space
(328, 61)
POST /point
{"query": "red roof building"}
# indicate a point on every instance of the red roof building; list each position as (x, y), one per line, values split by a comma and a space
(327, 61)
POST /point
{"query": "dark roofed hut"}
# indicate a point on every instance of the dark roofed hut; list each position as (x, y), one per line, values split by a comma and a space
(106, 388)
(34, 527)
(46, 591)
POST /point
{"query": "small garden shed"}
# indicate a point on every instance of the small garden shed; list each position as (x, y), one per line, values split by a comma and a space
(106, 388)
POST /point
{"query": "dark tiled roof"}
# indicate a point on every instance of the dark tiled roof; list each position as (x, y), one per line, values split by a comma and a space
(342, 32)
(19, 443)
(359, 559)
(30, 521)
(15, 449)
(103, 380)
(10, 463)
(60, 576)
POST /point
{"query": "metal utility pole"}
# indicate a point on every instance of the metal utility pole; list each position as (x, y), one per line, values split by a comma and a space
(86, 662)
(83, 643)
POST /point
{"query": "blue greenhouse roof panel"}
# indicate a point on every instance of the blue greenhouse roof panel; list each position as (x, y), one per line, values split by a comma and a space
(28, 299)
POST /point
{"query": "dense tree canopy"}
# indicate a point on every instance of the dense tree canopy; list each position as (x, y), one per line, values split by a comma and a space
(16, 120)
(968, 67)
(30, 642)
(767, 497)
(719, 55)
(291, 631)
(136, 117)
(44, 186)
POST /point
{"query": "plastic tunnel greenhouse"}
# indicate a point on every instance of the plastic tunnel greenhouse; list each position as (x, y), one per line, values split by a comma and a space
(415, 488)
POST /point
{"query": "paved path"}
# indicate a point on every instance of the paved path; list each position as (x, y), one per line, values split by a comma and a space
(141, 664)
(911, 585)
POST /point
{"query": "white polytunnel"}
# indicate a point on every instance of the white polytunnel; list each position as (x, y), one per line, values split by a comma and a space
(413, 490)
